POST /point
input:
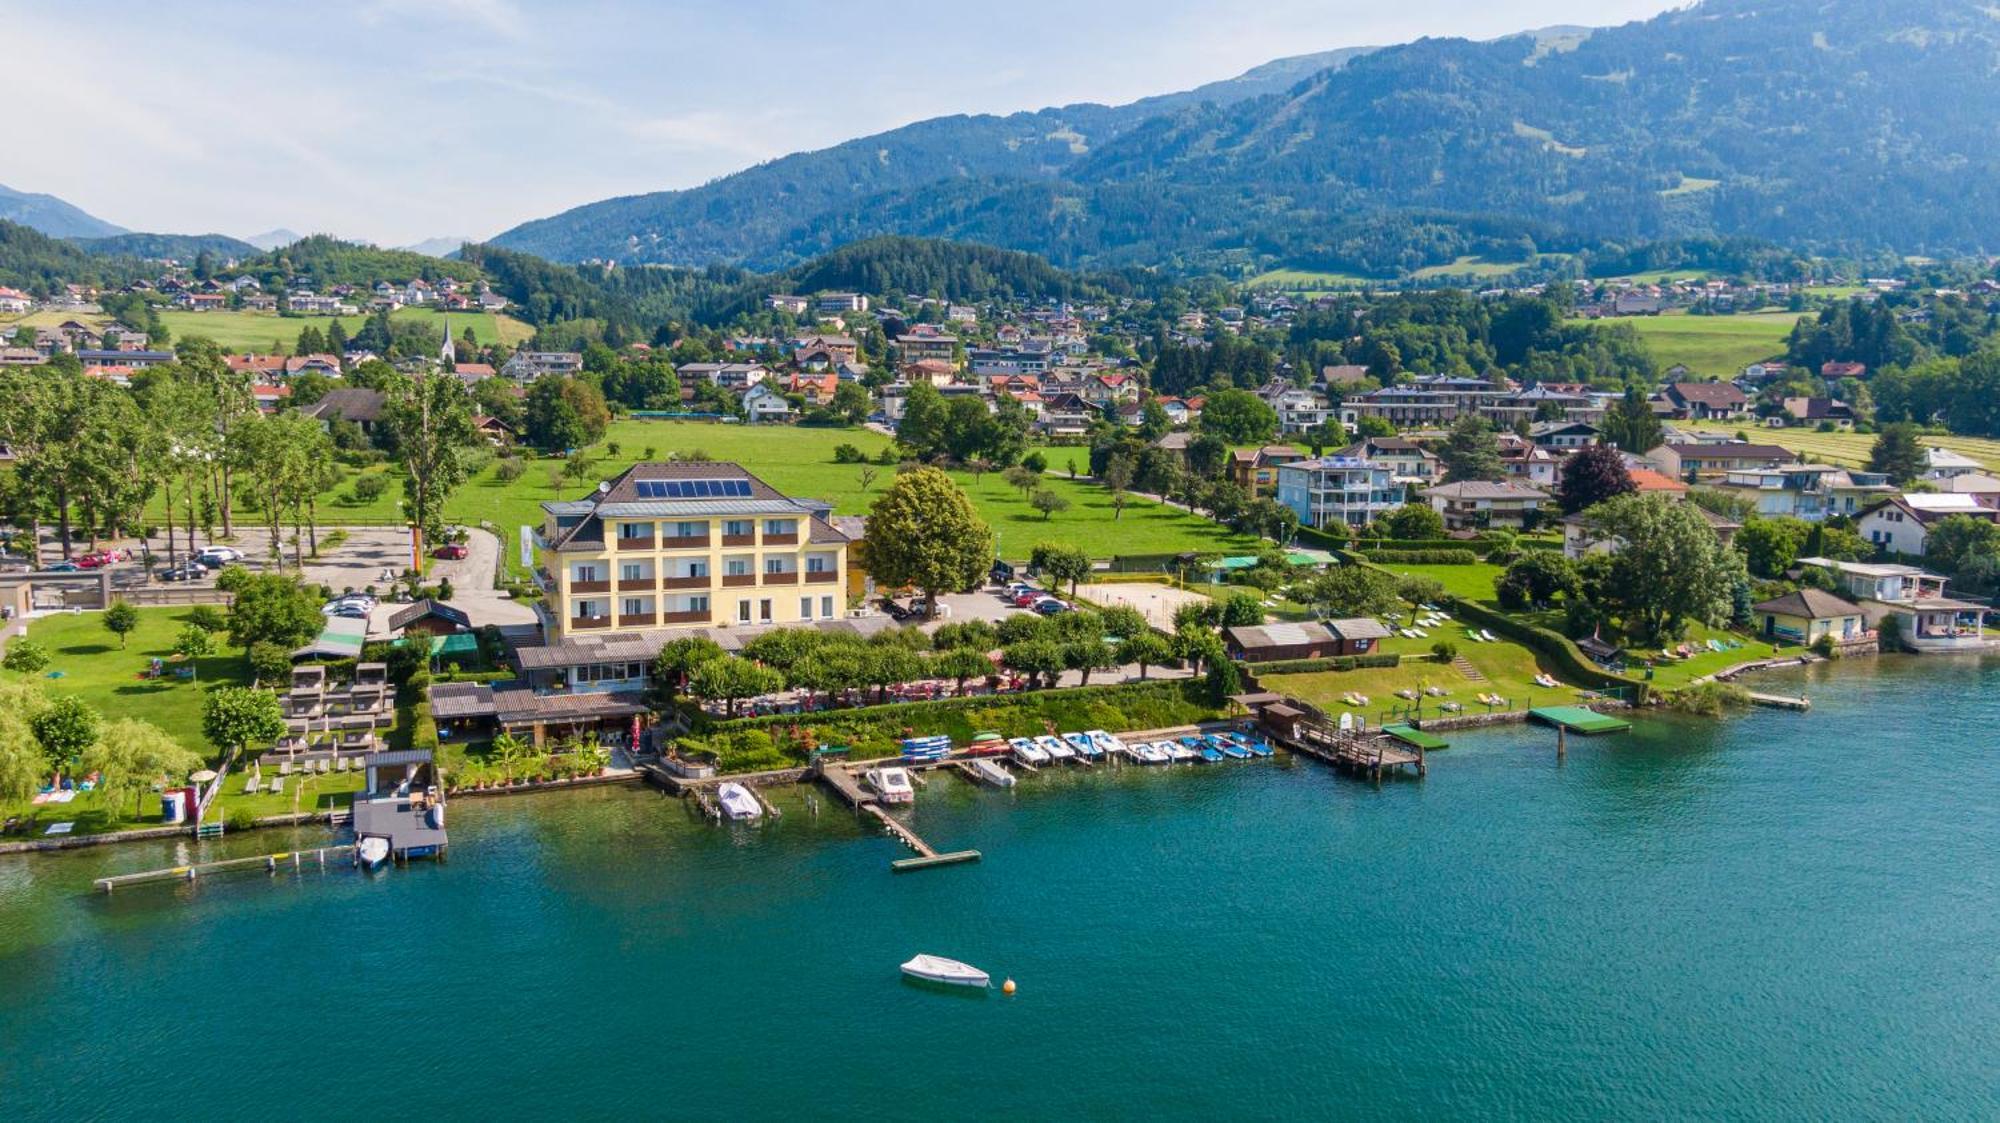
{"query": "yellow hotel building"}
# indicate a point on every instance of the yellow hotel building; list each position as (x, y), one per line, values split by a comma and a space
(689, 544)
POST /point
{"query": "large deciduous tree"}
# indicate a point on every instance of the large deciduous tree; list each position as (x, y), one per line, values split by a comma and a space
(1471, 451)
(1590, 477)
(432, 419)
(1671, 569)
(923, 532)
(131, 756)
(1239, 417)
(235, 717)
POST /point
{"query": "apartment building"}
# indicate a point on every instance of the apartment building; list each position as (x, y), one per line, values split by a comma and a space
(694, 544)
(1339, 490)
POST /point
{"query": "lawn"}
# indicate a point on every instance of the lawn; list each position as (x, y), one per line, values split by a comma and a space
(799, 461)
(94, 669)
(1312, 280)
(1508, 668)
(1852, 448)
(1712, 345)
(1469, 267)
(270, 333)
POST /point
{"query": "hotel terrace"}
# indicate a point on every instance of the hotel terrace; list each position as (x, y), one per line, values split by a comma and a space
(693, 544)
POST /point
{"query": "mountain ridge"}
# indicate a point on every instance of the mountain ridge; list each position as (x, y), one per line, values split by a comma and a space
(53, 216)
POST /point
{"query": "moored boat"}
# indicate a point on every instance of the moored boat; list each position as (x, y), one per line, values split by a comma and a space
(892, 785)
(1226, 747)
(1107, 742)
(372, 851)
(950, 972)
(1148, 753)
(1027, 752)
(738, 802)
(1056, 748)
(1084, 746)
(1176, 752)
(993, 774)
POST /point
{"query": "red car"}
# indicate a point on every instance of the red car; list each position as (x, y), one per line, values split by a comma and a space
(1024, 600)
(451, 552)
(99, 559)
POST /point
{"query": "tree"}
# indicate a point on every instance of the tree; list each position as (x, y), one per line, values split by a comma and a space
(235, 717)
(1197, 646)
(1048, 503)
(677, 659)
(1672, 568)
(850, 403)
(431, 416)
(1240, 610)
(1146, 648)
(1061, 563)
(121, 620)
(961, 663)
(1022, 479)
(1239, 417)
(1771, 545)
(27, 656)
(1630, 425)
(1591, 476)
(132, 756)
(22, 762)
(1374, 425)
(1223, 680)
(1956, 545)
(1089, 655)
(1535, 580)
(1153, 420)
(1897, 453)
(272, 662)
(1471, 451)
(1350, 591)
(1035, 658)
(1413, 522)
(273, 608)
(926, 419)
(193, 643)
(731, 679)
(923, 532)
(1206, 455)
(64, 728)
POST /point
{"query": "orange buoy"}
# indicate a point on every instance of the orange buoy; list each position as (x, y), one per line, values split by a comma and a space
(1007, 987)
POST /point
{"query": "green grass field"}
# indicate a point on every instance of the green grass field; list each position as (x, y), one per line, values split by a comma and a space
(1508, 668)
(1712, 345)
(797, 461)
(1851, 449)
(94, 669)
(1468, 267)
(1311, 280)
(259, 331)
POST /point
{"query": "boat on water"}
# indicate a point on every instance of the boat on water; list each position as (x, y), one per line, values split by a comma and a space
(1148, 753)
(1208, 753)
(1107, 742)
(1176, 752)
(372, 851)
(949, 972)
(892, 785)
(1084, 746)
(1257, 748)
(993, 774)
(1027, 752)
(1227, 747)
(738, 802)
(1056, 747)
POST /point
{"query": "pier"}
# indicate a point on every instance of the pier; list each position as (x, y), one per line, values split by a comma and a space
(269, 863)
(1577, 719)
(1781, 701)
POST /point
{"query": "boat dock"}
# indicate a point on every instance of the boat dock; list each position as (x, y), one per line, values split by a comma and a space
(1781, 701)
(1577, 719)
(269, 863)
(1416, 738)
(927, 856)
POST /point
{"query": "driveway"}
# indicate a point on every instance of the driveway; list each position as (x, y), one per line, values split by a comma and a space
(472, 580)
(377, 555)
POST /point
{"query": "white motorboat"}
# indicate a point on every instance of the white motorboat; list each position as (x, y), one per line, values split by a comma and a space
(372, 851)
(1026, 751)
(1056, 747)
(892, 785)
(1107, 742)
(738, 802)
(1149, 753)
(950, 972)
(1176, 751)
(993, 773)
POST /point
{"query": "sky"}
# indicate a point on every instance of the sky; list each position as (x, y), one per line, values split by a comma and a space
(395, 122)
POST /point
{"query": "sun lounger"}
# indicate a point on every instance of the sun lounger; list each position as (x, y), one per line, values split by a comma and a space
(250, 785)
(278, 785)
(285, 769)
(60, 828)
(320, 766)
(1488, 636)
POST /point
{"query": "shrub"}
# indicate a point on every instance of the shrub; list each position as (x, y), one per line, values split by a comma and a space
(207, 617)
(848, 454)
(369, 487)
(1422, 557)
(509, 470)
(1333, 663)
(270, 662)
(1824, 647)
(1710, 699)
(1035, 462)
(26, 656)
(240, 819)
(424, 732)
(1444, 651)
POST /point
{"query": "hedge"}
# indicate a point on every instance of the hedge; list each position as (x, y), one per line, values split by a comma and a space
(877, 730)
(1422, 557)
(424, 730)
(1336, 663)
(1570, 662)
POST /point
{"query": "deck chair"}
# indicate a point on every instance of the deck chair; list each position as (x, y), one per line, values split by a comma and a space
(278, 785)
(250, 785)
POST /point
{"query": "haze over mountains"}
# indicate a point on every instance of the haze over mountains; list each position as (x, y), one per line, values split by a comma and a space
(1837, 124)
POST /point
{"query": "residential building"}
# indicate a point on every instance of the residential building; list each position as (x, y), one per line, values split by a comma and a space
(1979, 485)
(1563, 436)
(1339, 490)
(135, 360)
(1818, 411)
(1299, 410)
(1480, 505)
(795, 305)
(695, 543)
(729, 376)
(1805, 616)
(1901, 524)
(763, 402)
(360, 405)
(1707, 401)
(835, 303)
(527, 366)
(1255, 470)
(1908, 607)
(1710, 461)
(1812, 492)
(918, 347)
(1944, 464)
(14, 301)
(1411, 462)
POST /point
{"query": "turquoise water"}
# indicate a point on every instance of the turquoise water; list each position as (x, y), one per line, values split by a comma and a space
(1774, 916)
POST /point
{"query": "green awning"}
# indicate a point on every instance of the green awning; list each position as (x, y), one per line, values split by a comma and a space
(458, 643)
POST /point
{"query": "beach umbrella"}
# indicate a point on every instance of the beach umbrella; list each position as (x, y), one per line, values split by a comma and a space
(204, 776)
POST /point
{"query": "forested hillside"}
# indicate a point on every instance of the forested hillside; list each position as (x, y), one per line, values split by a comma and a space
(1841, 125)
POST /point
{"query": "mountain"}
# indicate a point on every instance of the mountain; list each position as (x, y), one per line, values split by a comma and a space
(52, 216)
(168, 247)
(1838, 125)
(437, 247)
(272, 239)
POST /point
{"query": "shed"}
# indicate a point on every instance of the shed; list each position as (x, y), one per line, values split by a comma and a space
(430, 617)
(1272, 642)
(1357, 636)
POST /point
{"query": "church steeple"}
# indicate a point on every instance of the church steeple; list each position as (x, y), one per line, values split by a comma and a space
(447, 356)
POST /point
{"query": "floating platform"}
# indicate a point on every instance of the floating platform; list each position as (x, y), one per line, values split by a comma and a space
(905, 865)
(1417, 738)
(1576, 719)
(1781, 701)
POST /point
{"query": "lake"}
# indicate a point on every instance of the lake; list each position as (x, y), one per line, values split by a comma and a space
(1776, 915)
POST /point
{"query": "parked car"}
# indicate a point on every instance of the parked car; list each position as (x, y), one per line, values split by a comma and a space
(1027, 599)
(215, 557)
(452, 551)
(357, 605)
(1050, 606)
(189, 570)
(98, 559)
(895, 609)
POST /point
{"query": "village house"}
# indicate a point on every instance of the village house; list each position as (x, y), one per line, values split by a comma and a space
(763, 402)
(359, 405)
(1816, 412)
(825, 352)
(14, 301)
(1901, 524)
(1707, 461)
(1805, 616)
(838, 303)
(689, 543)
(1944, 464)
(914, 348)
(526, 366)
(1481, 505)
(1563, 436)
(791, 305)
(735, 377)
(1255, 470)
(1707, 401)
(1299, 410)
(1907, 606)
(1984, 488)
(1339, 490)
(1812, 492)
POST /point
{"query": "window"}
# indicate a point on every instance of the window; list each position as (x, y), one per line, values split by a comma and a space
(819, 563)
(636, 606)
(740, 527)
(584, 573)
(764, 611)
(590, 609)
(635, 530)
(781, 526)
(633, 571)
(687, 530)
(778, 565)
(691, 569)
(696, 603)
(736, 567)
(743, 612)
(805, 608)
(826, 608)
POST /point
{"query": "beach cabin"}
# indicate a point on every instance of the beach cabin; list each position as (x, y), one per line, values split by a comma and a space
(1270, 643)
(402, 805)
(1357, 636)
(1805, 616)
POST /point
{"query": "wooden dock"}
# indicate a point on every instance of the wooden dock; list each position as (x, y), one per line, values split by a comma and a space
(1781, 701)
(269, 863)
(1368, 754)
(842, 781)
(927, 856)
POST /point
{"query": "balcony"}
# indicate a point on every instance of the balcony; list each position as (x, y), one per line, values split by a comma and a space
(636, 620)
(729, 540)
(821, 576)
(699, 582)
(698, 617)
(582, 622)
(636, 585)
(789, 577)
(689, 542)
(590, 586)
(645, 543)
(781, 539)
(738, 580)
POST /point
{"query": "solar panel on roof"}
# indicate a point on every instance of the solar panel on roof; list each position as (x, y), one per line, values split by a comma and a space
(693, 489)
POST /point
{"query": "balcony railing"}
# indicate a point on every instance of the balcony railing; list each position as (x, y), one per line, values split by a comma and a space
(738, 580)
(603, 586)
(821, 576)
(696, 617)
(636, 619)
(645, 543)
(590, 622)
(636, 584)
(689, 542)
(698, 582)
(739, 540)
(781, 539)
(789, 577)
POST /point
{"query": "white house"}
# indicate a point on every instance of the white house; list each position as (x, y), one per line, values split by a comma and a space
(1901, 524)
(1339, 490)
(761, 402)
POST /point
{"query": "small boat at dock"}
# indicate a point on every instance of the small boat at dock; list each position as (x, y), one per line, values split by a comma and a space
(992, 773)
(1148, 753)
(1056, 748)
(891, 785)
(1027, 752)
(1110, 744)
(372, 851)
(738, 802)
(1208, 753)
(1084, 746)
(1227, 747)
(949, 972)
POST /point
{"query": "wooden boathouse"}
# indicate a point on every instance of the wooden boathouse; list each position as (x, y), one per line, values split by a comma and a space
(1305, 729)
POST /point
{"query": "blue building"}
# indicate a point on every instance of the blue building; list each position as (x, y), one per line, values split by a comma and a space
(1340, 490)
